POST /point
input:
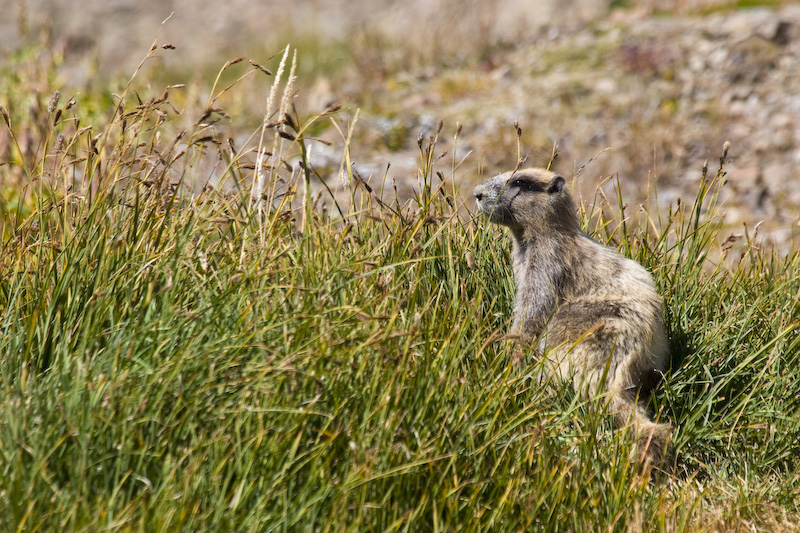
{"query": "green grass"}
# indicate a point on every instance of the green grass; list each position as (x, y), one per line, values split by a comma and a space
(183, 358)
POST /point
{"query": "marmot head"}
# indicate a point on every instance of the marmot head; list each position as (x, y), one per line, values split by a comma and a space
(530, 200)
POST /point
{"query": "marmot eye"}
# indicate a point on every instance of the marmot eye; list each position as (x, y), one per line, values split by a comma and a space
(526, 185)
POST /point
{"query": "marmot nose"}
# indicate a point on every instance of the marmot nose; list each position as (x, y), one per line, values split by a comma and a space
(478, 193)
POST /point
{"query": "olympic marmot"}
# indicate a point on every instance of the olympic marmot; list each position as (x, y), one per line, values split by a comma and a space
(589, 307)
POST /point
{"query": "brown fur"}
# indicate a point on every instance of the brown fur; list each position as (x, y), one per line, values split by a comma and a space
(588, 307)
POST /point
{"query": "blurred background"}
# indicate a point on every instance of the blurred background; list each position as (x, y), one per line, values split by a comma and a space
(643, 92)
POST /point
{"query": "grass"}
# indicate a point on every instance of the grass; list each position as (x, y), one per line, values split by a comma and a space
(189, 341)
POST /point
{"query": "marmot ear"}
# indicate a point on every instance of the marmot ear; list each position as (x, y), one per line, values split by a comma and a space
(556, 184)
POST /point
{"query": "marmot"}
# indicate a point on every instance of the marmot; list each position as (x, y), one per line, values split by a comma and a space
(593, 312)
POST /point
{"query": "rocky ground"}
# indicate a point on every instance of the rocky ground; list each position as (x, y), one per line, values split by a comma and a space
(621, 92)
(641, 99)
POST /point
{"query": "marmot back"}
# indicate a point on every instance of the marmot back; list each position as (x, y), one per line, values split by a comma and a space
(587, 306)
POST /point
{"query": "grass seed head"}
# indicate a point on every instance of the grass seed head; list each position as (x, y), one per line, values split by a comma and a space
(233, 62)
(263, 69)
(333, 108)
(53, 102)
